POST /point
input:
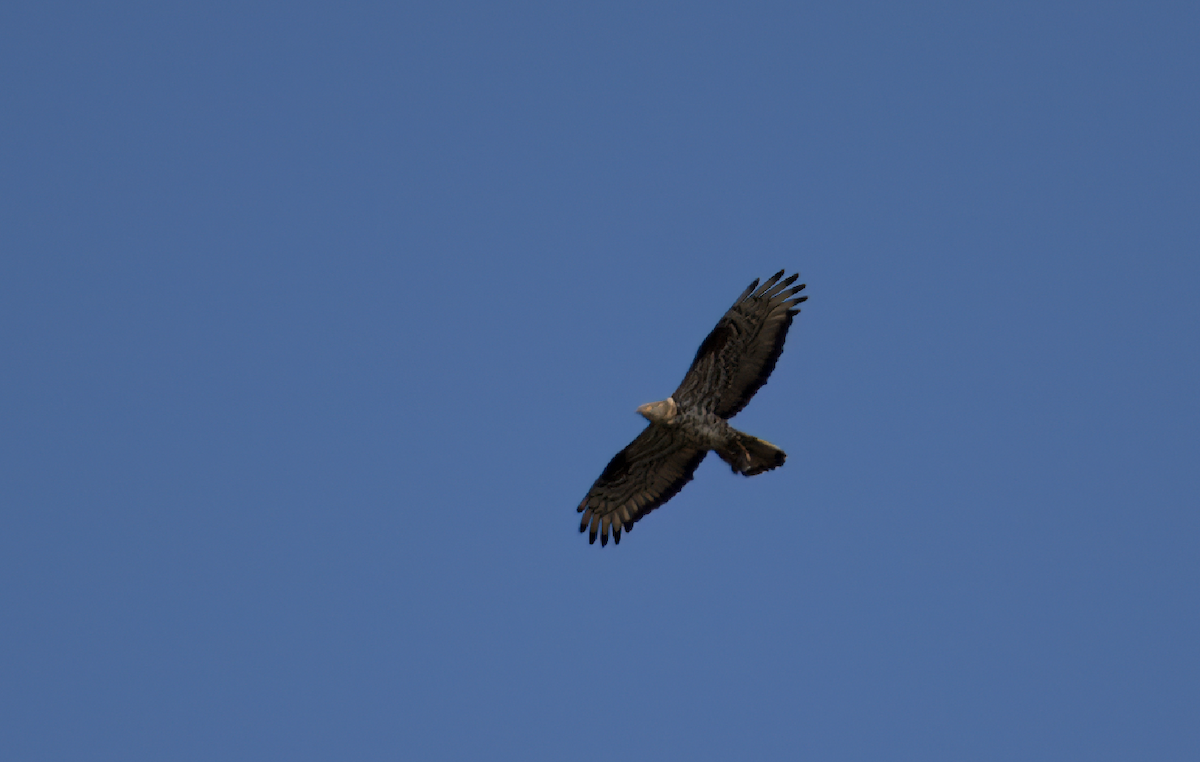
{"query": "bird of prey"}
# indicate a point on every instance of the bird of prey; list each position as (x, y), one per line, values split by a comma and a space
(731, 365)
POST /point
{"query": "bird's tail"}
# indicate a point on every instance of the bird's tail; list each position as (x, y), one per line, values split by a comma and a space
(750, 455)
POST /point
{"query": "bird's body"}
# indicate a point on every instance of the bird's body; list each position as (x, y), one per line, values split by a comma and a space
(730, 366)
(708, 429)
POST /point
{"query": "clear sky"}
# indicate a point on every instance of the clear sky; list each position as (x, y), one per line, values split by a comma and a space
(317, 322)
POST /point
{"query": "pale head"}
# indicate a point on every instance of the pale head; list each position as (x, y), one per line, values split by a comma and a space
(660, 412)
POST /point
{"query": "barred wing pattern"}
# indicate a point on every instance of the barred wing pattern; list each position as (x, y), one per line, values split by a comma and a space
(643, 476)
(738, 356)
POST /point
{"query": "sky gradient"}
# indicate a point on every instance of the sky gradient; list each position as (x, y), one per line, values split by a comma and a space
(317, 322)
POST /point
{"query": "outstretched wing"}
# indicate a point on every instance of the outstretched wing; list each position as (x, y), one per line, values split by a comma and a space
(737, 357)
(643, 476)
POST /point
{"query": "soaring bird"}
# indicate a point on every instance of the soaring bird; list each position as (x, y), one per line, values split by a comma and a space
(731, 365)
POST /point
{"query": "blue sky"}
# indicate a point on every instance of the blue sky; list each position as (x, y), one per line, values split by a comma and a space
(318, 322)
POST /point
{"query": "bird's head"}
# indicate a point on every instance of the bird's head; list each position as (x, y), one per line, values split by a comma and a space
(659, 412)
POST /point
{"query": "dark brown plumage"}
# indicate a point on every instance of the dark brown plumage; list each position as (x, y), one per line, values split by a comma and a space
(733, 363)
